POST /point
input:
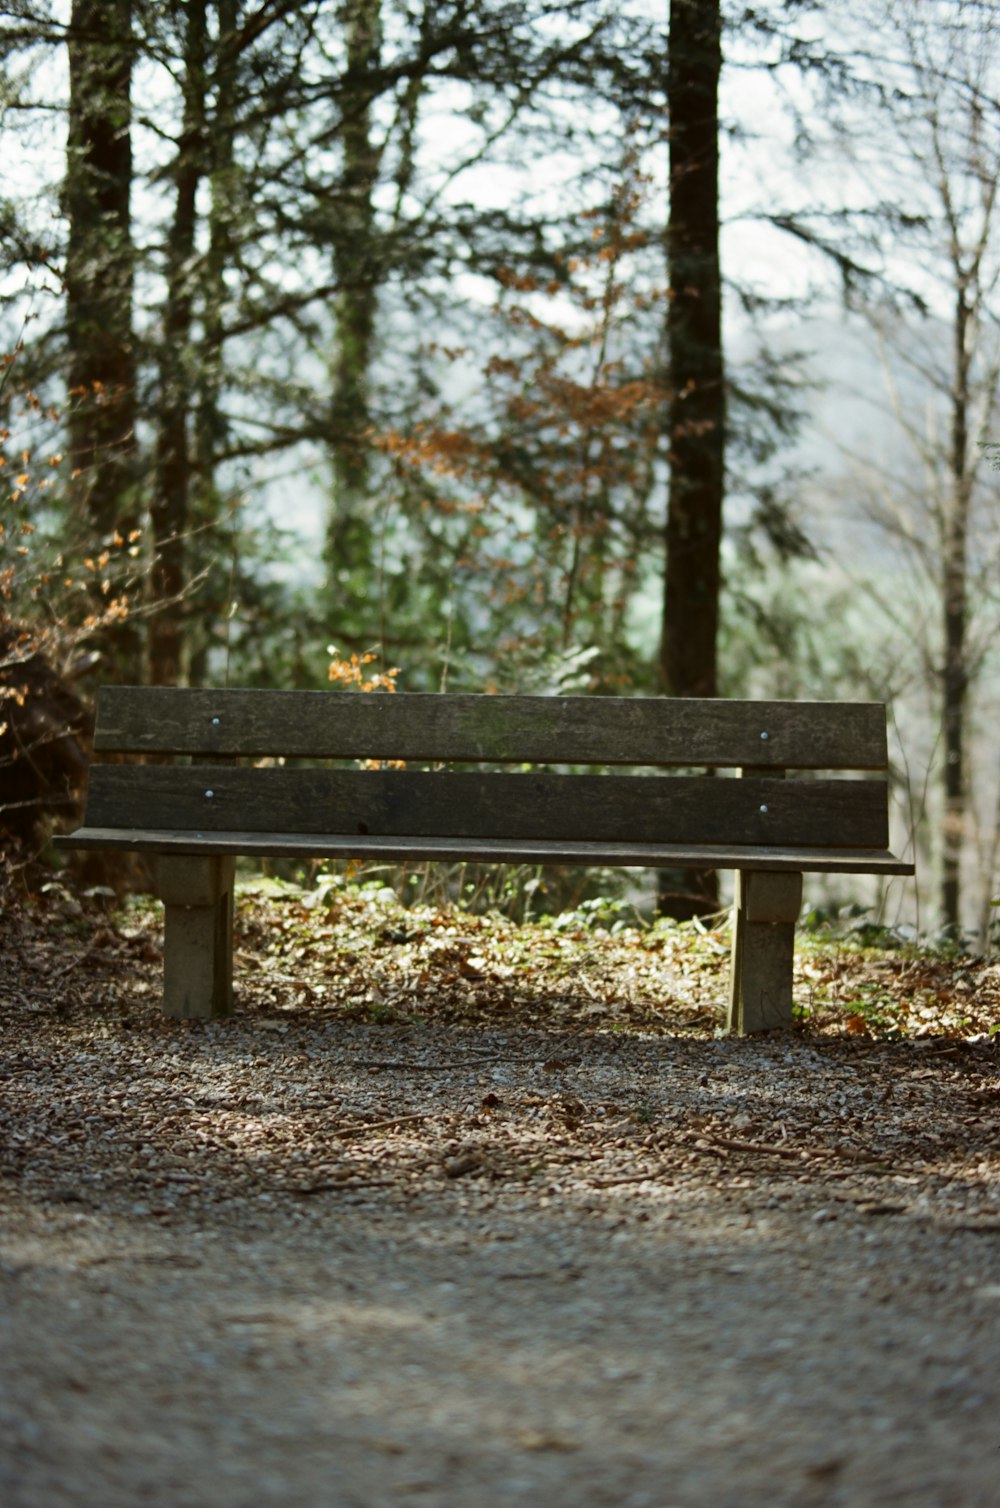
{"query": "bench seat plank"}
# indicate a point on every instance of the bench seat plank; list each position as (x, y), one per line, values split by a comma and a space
(493, 729)
(602, 808)
(494, 851)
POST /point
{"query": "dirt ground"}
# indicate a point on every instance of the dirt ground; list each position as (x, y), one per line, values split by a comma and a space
(320, 1258)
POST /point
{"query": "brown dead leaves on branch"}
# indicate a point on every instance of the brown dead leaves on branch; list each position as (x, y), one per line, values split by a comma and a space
(551, 447)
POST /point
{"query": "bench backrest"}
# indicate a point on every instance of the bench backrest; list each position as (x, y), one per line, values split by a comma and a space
(761, 739)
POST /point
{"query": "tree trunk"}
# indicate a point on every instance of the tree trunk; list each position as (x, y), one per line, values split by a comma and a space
(170, 510)
(101, 357)
(696, 417)
(209, 424)
(955, 674)
(696, 411)
(350, 534)
(99, 263)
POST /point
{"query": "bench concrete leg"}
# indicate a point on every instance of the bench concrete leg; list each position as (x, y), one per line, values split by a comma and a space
(197, 895)
(765, 910)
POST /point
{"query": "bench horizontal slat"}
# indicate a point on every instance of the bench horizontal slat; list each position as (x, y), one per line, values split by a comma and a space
(571, 808)
(493, 729)
(494, 851)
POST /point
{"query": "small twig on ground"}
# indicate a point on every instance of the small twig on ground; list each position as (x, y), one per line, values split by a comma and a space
(608, 1183)
(360, 1127)
(328, 1185)
(734, 1144)
(439, 1067)
(89, 955)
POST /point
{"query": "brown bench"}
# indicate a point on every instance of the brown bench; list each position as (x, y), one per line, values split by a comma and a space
(205, 808)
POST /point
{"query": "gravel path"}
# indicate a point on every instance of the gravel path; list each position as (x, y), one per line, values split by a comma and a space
(316, 1262)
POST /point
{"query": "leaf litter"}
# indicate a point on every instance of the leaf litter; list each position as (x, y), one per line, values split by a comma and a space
(449, 1076)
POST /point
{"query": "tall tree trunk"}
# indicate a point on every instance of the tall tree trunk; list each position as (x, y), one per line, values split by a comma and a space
(101, 356)
(955, 569)
(696, 417)
(349, 535)
(696, 411)
(209, 424)
(170, 510)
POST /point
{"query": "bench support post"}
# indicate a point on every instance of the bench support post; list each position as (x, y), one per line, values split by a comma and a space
(766, 908)
(197, 895)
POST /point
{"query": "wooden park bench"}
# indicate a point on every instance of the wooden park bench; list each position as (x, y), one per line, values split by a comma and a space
(205, 808)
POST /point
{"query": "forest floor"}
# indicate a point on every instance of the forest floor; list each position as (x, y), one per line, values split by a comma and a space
(456, 1212)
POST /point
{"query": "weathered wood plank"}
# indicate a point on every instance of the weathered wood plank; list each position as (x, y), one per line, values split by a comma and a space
(765, 909)
(772, 898)
(198, 935)
(182, 881)
(493, 729)
(388, 803)
(492, 851)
